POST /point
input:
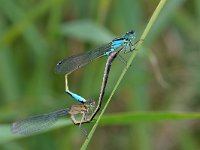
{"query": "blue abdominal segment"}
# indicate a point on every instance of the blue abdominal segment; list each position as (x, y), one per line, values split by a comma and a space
(76, 96)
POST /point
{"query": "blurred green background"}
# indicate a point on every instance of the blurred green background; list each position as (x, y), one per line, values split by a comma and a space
(35, 35)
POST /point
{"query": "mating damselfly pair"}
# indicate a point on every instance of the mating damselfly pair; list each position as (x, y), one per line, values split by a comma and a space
(66, 66)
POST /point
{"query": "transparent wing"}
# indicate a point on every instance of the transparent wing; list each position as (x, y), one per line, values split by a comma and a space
(37, 123)
(72, 63)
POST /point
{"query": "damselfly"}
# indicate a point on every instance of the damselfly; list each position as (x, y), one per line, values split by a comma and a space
(41, 122)
(68, 65)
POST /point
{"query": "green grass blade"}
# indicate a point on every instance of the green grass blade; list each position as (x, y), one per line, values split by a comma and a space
(115, 119)
(134, 117)
(24, 23)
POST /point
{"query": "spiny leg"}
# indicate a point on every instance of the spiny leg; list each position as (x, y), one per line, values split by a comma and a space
(123, 60)
(131, 44)
(83, 118)
(79, 122)
(74, 120)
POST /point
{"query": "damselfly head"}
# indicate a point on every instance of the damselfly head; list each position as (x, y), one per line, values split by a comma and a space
(90, 103)
(130, 35)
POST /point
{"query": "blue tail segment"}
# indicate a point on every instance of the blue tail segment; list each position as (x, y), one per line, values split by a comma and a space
(76, 96)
